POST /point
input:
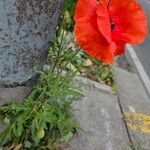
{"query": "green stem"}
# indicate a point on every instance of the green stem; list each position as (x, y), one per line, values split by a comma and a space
(59, 51)
(69, 58)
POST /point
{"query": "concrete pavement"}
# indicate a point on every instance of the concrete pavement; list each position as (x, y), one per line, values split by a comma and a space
(135, 105)
(113, 122)
(100, 118)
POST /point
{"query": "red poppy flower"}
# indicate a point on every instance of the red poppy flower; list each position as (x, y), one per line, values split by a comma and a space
(103, 28)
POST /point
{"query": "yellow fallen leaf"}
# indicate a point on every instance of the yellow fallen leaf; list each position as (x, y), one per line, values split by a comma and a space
(18, 147)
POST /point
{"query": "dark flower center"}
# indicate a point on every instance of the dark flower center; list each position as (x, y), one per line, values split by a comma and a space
(113, 25)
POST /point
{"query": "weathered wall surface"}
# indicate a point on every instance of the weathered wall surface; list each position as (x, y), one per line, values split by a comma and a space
(26, 28)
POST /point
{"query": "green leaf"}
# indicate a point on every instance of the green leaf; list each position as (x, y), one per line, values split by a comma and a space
(18, 128)
(33, 126)
(67, 137)
(27, 144)
(14, 130)
(7, 121)
(40, 133)
(35, 139)
(52, 120)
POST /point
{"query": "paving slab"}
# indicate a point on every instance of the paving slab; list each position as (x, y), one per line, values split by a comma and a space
(135, 104)
(13, 94)
(100, 117)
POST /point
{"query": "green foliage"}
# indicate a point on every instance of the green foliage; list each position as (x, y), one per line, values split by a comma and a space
(97, 70)
(104, 73)
(69, 14)
(81, 62)
(45, 116)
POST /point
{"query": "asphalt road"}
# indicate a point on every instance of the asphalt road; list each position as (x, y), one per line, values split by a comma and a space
(143, 50)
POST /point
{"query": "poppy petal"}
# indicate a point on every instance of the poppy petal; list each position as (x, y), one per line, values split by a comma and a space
(120, 49)
(85, 8)
(92, 41)
(103, 19)
(132, 21)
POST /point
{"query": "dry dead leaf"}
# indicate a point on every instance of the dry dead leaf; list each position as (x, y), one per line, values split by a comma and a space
(18, 147)
(88, 63)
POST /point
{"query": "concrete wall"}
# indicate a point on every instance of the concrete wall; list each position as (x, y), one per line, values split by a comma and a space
(26, 28)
